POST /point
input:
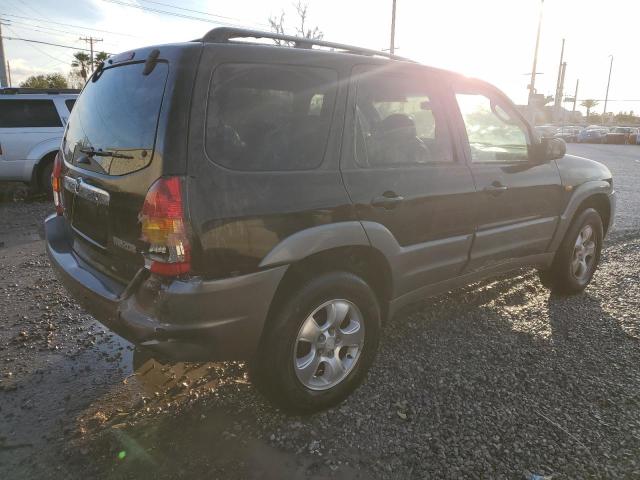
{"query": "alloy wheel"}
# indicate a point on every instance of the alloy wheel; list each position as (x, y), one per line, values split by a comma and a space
(329, 344)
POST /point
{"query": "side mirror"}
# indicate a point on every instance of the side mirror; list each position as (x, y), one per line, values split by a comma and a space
(550, 148)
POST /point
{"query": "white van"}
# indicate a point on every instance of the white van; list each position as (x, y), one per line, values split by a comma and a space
(32, 124)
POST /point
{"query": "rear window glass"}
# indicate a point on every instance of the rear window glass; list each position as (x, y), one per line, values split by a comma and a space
(262, 117)
(117, 114)
(70, 103)
(28, 113)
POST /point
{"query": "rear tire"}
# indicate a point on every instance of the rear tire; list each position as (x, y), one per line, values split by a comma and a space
(577, 257)
(306, 376)
(44, 180)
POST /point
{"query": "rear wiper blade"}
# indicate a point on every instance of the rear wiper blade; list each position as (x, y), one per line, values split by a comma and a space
(91, 152)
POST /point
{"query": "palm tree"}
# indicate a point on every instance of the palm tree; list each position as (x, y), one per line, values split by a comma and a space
(589, 104)
(80, 61)
(101, 57)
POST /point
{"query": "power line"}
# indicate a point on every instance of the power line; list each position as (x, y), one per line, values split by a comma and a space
(48, 43)
(74, 26)
(41, 51)
(173, 14)
(200, 12)
(35, 28)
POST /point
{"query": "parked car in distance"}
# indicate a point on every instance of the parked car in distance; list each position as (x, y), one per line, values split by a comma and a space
(308, 194)
(592, 135)
(622, 135)
(568, 134)
(31, 126)
(546, 130)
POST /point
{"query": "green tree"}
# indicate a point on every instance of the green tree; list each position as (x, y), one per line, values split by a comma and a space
(588, 104)
(101, 57)
(52, 80)
(80, 63)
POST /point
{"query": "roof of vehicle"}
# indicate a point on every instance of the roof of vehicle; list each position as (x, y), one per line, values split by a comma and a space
(40, 92)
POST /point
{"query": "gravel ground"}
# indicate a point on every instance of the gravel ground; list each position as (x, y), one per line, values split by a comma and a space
(499, 380)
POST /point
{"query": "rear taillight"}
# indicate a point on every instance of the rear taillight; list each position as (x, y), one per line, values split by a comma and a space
(56, 184)
(164, 228)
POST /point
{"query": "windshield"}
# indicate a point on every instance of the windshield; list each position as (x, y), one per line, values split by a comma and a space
(116, 114)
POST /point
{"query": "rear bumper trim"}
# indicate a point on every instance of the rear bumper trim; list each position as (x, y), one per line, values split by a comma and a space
(191, 319)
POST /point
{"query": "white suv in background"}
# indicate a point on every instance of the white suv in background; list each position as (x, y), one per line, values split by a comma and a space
(32, 124)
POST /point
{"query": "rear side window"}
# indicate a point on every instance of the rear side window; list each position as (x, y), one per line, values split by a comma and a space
(269, 118)
(399, 121)
(118, 114)
(28, 113)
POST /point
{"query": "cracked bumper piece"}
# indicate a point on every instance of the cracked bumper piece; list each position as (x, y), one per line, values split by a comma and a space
(181, 320)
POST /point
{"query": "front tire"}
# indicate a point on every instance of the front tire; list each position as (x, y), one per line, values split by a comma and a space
(320, 343)
(578, 256)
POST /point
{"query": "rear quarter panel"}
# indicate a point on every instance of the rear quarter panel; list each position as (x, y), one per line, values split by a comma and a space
(238, 217)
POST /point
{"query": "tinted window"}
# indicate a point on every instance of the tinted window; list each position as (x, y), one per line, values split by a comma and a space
(117, 113)
(495, 134)
(69, 103)
(262, 117)
(28, 113)
(399, 122)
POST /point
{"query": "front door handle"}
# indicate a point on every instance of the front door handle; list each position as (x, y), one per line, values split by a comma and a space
(388, 200)
(496, 188)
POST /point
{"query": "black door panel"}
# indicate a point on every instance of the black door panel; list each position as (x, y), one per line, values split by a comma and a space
(518, 200)
(414, 198)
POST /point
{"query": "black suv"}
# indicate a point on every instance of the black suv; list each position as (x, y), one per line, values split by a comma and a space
(220, 199)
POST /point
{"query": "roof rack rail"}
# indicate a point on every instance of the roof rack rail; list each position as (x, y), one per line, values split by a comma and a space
(226, 34)
(51, 91)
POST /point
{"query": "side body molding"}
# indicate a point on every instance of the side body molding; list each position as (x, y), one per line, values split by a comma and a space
(581, 193)
(314, 240)
(420, 264)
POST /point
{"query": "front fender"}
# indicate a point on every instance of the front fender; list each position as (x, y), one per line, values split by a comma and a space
(580, 194)
(43, 148)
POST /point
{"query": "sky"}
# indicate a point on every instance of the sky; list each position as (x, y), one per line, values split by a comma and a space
(490, 39)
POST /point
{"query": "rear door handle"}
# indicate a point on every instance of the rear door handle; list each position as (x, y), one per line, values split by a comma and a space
(388, 200)
(496, 188)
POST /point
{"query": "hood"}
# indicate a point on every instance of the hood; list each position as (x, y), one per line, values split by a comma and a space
(575, 170)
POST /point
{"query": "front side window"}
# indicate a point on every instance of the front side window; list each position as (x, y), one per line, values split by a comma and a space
(28, 114)
(495, 134)
(269, 118)
(398, 122)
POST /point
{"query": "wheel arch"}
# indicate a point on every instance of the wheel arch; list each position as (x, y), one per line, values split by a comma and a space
(364, 261)
(600, 203)
(592, 194)
(44, 160)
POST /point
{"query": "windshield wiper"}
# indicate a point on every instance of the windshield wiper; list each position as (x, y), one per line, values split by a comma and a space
(91, 152)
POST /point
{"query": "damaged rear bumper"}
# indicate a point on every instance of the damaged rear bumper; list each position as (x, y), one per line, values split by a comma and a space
(181, 320)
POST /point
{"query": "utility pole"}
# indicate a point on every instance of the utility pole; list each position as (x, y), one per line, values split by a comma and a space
(91, 41)
(558, 99)
(9, 72)
(532, 83)
(392, 44)
(575, 96)
(606, 97)
(3, 62)
(560, 92)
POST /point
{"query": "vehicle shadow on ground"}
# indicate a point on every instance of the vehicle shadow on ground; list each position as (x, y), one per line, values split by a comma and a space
(472, 348)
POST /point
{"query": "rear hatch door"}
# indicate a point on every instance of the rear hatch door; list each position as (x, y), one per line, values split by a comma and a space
(113, 156)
